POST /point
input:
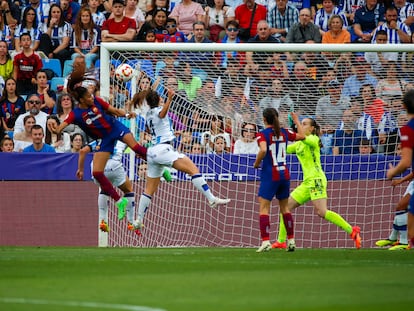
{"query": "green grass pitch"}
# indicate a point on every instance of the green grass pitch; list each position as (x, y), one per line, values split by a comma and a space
(204, 279)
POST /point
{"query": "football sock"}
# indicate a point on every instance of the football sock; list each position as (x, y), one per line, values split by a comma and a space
(400, 225)
(264, 227)
(281, 236)
(144, 202)
(200, 183)
(288, 221)
(338, 220)
(106, 185)
(130, 209)
(103, 199)
(140, 150)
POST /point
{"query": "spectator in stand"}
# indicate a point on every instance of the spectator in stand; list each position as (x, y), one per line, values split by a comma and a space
(348, 139)
(156, 24)
(323, 83)
(197, 148)
(56, 35)
(6, 144)
(388, 126)
(42, 9)
(232, 31)
(364, 121)
(61, 141)
(367, 18)
(156, 4)
(361, 76)
(281, 18)
(132, 10)
(24, 139)
(119, 28)
(143, 5)
(6, 62)
(304, 31)
(47, 96)
(86, 37)
(70, 10)
(365, 147)
(316, 64)
(33, 103)
(370, 104)
(6, 33)
(397, 31)
(302, 90)
(216, 19)
(186, 13)
(205, 59)
(10, 12)
(29, 25)
(343, 66)
(11, 105)
(216, 129)
(391, 85)
(323, 15)
(247, 143)
(378, 60)
(185, 143)
(38, 144)
(248, 16)
(330, 108)
(26, 65)
(336, 32)
(76, 142)
(173, 34)
(219, 145)
(405, 12)
(349, 8)
(65, 104)
(97, 16)
(275, 97)
(187, 81)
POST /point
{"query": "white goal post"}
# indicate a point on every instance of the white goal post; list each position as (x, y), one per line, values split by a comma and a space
(357, 189)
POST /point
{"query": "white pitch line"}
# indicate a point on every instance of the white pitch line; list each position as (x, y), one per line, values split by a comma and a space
(95, 305)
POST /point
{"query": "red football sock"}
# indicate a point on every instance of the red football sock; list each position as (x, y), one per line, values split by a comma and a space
(288, 220)
(264, 227)
(141, 151)
(106, 185)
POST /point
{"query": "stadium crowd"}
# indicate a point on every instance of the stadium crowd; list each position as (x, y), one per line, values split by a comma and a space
(355, 97)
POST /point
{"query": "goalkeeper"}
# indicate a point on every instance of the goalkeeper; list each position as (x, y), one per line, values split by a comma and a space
(313, 187)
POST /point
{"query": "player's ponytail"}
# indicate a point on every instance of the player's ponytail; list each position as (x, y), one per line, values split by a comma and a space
(272, 117)
(316, 130)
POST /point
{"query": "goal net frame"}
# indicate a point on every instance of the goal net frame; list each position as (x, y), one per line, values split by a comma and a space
(179, 215)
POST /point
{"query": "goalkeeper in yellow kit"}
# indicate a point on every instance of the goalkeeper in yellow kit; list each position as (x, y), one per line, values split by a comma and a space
(313, 187)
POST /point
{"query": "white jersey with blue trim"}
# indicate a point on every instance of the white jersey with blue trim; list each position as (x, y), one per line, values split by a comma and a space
(160, 129)
(115, 161)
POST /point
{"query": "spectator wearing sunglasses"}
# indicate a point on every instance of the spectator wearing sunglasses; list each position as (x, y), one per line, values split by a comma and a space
(33, 103)
(216, 18)
(173, 34)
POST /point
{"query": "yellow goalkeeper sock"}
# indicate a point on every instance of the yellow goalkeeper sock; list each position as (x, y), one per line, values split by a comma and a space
(281, 236)
(338, 220)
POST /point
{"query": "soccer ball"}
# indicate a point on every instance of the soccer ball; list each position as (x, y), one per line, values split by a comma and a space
(124, 72)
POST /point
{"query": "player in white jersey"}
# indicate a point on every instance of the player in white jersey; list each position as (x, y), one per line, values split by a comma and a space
(115, 172)
(163, 154)
(398, 237)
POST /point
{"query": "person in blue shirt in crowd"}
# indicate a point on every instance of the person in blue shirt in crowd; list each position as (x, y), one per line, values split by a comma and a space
(38, 145)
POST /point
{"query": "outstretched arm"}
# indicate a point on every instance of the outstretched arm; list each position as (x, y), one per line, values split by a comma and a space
(58, 129)
(167, 104)
(81, 161)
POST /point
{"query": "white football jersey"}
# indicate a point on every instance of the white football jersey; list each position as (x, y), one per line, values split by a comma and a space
(160, 129)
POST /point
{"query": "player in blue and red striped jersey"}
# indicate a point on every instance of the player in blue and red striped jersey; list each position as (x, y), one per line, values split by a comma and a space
(96, 118)
(407, 157)
(274, 177)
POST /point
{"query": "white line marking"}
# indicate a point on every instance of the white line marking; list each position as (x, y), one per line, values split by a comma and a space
(95, 305)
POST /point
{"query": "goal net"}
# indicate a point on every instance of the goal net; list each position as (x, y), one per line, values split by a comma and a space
(354, 92)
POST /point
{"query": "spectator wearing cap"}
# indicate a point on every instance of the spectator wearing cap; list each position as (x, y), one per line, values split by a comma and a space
(353, 83)
(331, 107)
(305, 31)
(397, 31)
(119, 28)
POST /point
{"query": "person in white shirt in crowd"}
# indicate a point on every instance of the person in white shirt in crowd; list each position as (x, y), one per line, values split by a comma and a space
(247, 143)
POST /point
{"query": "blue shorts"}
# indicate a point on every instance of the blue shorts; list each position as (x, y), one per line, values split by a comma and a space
(107, 143)
(270, 189)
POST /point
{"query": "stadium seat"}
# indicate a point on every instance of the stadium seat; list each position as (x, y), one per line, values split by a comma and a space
(67, 67)
(53, 64)
(56, 82)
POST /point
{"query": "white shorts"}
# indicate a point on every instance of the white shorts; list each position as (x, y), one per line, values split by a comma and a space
(159, 156)
(115, 172)
(410, 189)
